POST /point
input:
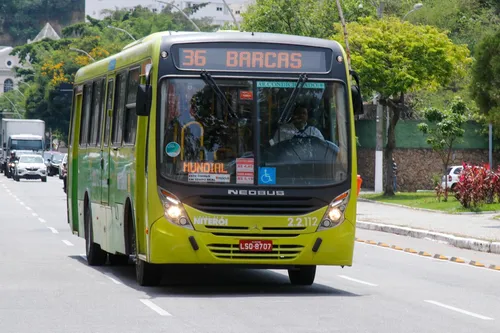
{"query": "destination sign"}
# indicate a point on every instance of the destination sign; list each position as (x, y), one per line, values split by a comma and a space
(296, 60)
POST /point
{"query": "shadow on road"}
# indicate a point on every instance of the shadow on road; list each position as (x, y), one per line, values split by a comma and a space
(218, 282)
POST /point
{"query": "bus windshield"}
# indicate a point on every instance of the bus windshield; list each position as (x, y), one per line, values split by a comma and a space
(217, 139)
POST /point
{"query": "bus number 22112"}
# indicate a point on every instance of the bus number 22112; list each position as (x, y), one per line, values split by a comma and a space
(302, 221)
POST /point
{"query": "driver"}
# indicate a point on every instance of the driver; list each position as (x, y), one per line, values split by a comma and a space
(297, 127)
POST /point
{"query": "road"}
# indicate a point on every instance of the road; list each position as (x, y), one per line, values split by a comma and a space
(46, 285)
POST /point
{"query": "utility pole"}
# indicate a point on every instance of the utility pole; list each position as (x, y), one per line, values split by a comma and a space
(490, 145)
(379, 145)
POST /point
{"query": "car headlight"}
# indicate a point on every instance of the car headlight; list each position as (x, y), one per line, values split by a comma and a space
(173, 210)
(335, 213)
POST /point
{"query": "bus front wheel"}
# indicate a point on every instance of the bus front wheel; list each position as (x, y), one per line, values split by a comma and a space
(147, 274)
(302, 276)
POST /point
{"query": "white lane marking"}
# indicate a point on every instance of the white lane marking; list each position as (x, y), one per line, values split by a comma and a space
(41, 220)
(34, 214)
(17, 199)
(21, 203)
(83, 256)
(54, 231)
(155, 307)
(358, 281)
(459, 310)
(112, 278)
(27, 208)
(67, 242)
(431, 258)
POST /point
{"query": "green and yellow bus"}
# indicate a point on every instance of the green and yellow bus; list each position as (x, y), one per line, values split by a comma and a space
(224, 148)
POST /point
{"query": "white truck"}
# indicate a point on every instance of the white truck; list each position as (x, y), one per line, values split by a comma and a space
(21, 135)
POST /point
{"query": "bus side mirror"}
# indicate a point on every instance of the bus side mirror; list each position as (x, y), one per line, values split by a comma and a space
(357, 98)
(143, 102)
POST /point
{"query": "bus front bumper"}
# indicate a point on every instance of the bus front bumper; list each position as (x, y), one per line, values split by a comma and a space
(170, 244)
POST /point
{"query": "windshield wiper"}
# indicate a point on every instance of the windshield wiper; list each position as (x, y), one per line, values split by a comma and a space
(296, 91)
(211, 82)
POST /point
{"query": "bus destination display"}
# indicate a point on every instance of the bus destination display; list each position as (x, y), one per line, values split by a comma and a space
(260, 60)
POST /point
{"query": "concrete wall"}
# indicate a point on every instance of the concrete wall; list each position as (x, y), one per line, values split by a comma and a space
(417, 162)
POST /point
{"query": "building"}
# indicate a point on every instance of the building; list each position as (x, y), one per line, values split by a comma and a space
(215, 9)
(46, 32)
(8, 80)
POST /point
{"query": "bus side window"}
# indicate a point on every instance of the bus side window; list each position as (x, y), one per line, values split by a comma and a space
(84, 123)
(95, 113)
(72, 118)
(119, 107)
(102, 101)
(109, 106)
(130, 115)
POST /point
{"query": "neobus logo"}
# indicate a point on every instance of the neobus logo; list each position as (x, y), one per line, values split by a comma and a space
(255, 192)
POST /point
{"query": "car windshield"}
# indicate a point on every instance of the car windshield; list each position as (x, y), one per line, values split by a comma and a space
(206, 139)
(19, 144)
(56, 158)
(30, 159)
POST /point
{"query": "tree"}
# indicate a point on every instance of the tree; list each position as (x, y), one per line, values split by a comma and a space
(485, 84)
(447, 131)
(21, 20)
(394, 58)
(294, 17)
(52, 65)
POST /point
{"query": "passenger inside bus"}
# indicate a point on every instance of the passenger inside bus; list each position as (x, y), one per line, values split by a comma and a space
(298, 127)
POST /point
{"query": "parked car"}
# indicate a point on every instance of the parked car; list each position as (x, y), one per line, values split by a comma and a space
(63, 164)
(453, 175)
(30, 167)
(54, 163)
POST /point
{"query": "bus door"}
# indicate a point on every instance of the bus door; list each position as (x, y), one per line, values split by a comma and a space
(73, 161)
(105, 156)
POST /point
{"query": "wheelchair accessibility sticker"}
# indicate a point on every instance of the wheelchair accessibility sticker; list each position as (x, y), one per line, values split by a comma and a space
(267, 176)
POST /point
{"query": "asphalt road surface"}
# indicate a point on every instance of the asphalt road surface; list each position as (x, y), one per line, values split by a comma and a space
(46, 285)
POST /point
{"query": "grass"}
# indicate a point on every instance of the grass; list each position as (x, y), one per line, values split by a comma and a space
(428, 200)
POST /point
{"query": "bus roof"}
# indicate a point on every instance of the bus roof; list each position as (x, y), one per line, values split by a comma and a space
(143, 47)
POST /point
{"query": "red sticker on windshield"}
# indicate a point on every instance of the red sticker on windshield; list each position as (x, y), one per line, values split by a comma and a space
(246, 95)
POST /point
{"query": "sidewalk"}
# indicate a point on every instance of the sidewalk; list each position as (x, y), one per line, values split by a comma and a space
(478, 232)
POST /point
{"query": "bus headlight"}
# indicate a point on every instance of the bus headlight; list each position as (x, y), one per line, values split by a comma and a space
(335, 213)
(173, 210)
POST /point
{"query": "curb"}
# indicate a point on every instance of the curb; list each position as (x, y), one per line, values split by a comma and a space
(428, 210)
(460, 242)
(430, 256)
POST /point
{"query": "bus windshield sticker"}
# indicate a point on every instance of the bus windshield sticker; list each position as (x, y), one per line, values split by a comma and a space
(285, 84)
(204, 167)
(267, 176)
(209, 178)
(244, 170)
(246, 95)
(173, 149)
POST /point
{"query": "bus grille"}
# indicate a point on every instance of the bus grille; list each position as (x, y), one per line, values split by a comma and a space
(268, 205)
(232, 251)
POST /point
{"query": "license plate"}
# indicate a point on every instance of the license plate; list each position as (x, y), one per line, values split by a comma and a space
(256, 245)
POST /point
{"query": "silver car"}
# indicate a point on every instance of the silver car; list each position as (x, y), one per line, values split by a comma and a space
(30, 167)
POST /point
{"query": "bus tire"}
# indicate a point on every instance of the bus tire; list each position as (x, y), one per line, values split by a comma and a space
(147, 274)
(302, 276)
(95, 255)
